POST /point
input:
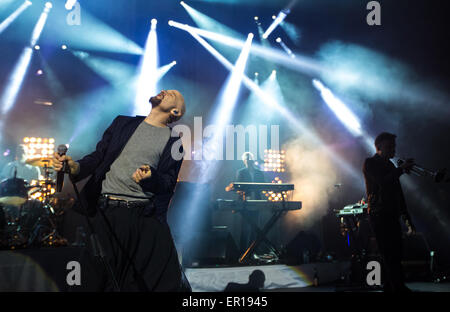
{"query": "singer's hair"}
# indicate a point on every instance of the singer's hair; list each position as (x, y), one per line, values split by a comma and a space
(384, 136)
(248, 156)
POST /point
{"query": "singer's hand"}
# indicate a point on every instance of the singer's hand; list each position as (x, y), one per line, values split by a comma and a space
(142, 173)
(407, 165)
(58, 163)
(411, 228)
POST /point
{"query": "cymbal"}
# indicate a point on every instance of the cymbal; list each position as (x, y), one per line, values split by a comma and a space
(41, 162)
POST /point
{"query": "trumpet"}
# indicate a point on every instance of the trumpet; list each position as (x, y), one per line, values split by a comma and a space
(437, 176)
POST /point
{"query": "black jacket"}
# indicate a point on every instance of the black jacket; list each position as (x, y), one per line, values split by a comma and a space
(161, 183)
(243, 175)
(383, 189)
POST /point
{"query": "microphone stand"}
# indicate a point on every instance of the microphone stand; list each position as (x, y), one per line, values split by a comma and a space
(96, 246)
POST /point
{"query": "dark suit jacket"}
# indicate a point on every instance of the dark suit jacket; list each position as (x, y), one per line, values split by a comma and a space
(161, 183)
(243, 175)
(384, 192)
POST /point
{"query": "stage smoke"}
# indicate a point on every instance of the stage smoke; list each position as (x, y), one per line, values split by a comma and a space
(313, 174)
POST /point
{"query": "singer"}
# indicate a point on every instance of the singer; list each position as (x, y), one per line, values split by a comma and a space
(386, 204)
(133, 175)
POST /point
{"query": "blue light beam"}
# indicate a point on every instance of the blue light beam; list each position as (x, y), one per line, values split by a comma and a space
(8, 21)
(16, 79)
(147, 79)
(342, 112)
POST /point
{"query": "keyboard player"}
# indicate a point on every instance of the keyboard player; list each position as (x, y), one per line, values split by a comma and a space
(250, 173)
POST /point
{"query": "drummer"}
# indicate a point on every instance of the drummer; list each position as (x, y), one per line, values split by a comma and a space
(24, 170)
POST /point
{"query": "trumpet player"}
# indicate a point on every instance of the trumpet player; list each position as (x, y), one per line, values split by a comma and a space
(386, 205)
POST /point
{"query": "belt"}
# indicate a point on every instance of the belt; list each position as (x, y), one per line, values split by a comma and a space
(115, 202)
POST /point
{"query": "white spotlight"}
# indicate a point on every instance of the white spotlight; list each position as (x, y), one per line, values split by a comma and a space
(64, 47)
(37, 47)
(256, 18)
(148, 70)
(170, 23)
(182, 2)
(48, 5)
(277, 21)
(174, 63)
(4, 24)
(278, 40)
(69, 4)
(273, 75)
(342, 112)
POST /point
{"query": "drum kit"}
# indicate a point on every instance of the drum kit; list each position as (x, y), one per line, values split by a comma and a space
(29, 210)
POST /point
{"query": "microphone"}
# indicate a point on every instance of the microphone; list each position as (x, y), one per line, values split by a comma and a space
(62, 150)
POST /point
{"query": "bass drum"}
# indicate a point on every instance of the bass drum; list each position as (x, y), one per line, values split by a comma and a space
(13, 192)
(18, 224)
(30, 216)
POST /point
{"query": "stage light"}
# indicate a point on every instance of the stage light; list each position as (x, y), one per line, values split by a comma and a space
(170, 22)
(17, 76)
(39, 72)
(14, 15)
(153, 22)
(146, 86)
(224, 111)
(69, 4)
(269, 101)
(281, 16)
(221, 117)
(205, 22)
(256, 18)
(274, 17)
(182, 2)
(55, 85)
(278, 40)
(40, 24)
(90, 32)
(37, 47)
(164, 69)
(113, 71)
(299, 63)
(64, 47)
(285, 48)
(273, 75)
(342, 112)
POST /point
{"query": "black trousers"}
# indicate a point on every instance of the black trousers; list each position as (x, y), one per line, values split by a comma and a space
(148, 242)
(388, 233)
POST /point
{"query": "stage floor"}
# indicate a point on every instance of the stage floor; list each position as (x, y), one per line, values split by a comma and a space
(277, 276)
(415, 287)
(283, 278)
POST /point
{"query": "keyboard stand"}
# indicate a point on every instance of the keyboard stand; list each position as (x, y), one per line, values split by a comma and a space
(261, 234)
